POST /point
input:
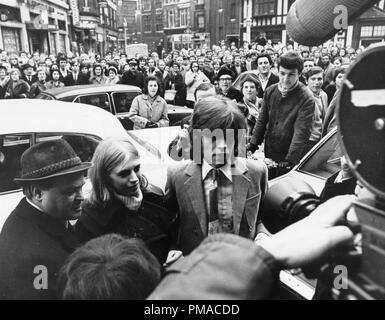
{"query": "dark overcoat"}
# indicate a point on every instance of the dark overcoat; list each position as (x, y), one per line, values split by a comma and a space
(29, 242)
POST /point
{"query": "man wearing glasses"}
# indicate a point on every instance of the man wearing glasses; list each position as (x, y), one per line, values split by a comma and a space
(226, 78)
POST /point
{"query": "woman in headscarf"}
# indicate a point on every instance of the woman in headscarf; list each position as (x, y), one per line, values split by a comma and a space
(122, 200)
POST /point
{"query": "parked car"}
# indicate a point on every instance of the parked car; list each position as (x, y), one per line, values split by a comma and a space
(115, 99)
(28, 121)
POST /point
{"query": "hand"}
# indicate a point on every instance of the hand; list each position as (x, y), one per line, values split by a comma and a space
(314, 237)
(151, 124)
(172, 256)
(251, 147)
(285, 164)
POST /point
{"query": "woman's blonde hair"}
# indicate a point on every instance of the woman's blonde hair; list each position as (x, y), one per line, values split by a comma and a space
(109, 154)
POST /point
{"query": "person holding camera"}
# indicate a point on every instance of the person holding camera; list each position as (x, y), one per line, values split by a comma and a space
(149, 110)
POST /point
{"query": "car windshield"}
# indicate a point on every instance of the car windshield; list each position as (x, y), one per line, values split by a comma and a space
(325, 161)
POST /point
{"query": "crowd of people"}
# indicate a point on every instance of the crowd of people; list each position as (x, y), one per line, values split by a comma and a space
(209, 212)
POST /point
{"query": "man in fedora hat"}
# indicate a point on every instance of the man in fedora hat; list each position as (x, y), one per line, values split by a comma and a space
(226, 78)
(28, 75)
(37, 236)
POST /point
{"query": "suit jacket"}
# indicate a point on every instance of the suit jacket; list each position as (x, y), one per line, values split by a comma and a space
(185, 190)
(30, 82)
(70, 81)
(31, 238)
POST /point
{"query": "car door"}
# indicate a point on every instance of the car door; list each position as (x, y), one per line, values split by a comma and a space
(122, 102)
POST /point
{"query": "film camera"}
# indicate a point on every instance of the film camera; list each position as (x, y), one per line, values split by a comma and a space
(361, 132)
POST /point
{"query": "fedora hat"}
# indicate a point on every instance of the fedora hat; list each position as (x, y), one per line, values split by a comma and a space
(50, 159)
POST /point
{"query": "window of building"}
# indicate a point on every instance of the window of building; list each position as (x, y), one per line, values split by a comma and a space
(379, 31)
(159, 22)
(233, 11)
(266, 8)
(201, 21)
(183, 17)
(366, 31)
(158, 4)
(171, 19)
(11, 39)
(146, 4)
(146, 23)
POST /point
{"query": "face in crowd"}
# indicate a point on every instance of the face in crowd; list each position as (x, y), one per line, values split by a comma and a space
(225, 82)
(264, 65)
(288, 78)
(15, 75)
(63, 200)
(125, 178)
(152, 88)
(55, 75)
(98, 71)
(41, 76)
(315, 82)
(307, 65)
(249, 91)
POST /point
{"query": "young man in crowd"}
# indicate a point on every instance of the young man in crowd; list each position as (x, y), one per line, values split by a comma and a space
(285, 121)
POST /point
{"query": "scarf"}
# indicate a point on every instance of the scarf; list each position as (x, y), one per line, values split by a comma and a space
(286, 92)
(253, 108)
(132, 203)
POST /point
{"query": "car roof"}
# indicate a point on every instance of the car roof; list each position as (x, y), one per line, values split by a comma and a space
(35, 115)
(63, 92)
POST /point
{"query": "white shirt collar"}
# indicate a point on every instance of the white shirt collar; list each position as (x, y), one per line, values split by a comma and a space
(34, 205)
(226, 170)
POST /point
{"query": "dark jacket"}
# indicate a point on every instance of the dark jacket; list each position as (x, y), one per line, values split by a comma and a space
(36, 88)
(285, 123)
(181, 92)
(20, 91)
(133, 79)
(30, 82)
(233, 94)
(83, 79)
(152, 223)
(273, 79)
(31, 238)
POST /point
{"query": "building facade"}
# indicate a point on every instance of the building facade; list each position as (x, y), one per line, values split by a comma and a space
(268, 17)
(152, 23)
(127, 18)
(34, 25)
(225, 20)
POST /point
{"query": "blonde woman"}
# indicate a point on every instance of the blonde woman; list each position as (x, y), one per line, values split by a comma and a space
(122, 200)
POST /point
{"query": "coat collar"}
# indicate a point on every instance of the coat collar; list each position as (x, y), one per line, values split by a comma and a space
(147, 98)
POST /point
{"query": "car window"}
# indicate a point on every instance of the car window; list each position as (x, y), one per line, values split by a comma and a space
(44, 96)
(123, 101)
(326, 161)
(99, 100)
(83, 145)
(67, 99)
(11, 149)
